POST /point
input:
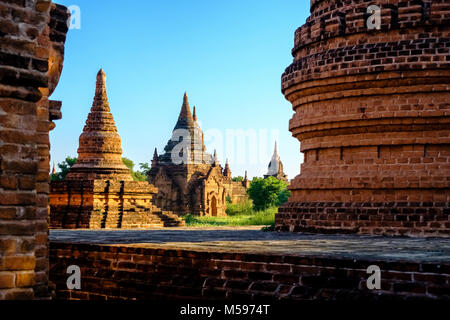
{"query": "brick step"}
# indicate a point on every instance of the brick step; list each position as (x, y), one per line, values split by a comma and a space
(170, 219)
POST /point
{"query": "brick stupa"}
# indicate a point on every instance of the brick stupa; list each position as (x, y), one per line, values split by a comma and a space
(373, 117)
(100, 151)
(99, 191)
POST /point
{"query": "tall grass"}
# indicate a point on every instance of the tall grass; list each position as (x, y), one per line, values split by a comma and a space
(246, 217)
(244, 208)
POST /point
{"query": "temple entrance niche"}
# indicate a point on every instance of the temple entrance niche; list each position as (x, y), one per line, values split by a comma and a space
(214, 206)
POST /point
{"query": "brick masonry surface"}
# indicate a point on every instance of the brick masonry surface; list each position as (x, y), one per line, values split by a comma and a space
(32, 37)
(371, 112)
(244, 264)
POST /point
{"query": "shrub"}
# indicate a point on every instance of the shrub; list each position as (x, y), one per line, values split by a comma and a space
(283, 196)
(265, 193)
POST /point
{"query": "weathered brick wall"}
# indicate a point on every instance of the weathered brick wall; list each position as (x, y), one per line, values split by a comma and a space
(239, 192)
(32, 36)
(112, 272)
(372, 115)
(97, 204)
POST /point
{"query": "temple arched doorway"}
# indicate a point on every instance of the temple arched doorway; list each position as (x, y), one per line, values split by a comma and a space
(214, 206)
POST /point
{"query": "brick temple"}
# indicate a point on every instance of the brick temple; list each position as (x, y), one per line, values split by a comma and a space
(99, 191)
(188, 178)
(372, 115)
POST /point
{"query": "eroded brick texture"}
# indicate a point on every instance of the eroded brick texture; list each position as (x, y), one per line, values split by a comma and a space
(372, 115)
(114, 272)
(32, 36)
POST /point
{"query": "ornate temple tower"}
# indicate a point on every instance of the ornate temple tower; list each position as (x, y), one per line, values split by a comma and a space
(190, 180)
(275, 168)
(369, 86)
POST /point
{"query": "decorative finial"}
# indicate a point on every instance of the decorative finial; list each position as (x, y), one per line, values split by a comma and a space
(101, 79)
(101, 97)
(215, 160)
(194, 115)
(227, 171)
(185, 118)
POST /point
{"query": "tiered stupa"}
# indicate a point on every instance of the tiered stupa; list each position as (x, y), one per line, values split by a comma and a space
(370, 88)
(100, 151)
(99, 191)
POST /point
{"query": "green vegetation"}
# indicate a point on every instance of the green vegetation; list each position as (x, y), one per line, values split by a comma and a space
(137, 175)
(267, 193)
(266, 196)
(238, 179)
(258, 218)
(145, 168)
(69, 162)
(64, 169)
(245, 208)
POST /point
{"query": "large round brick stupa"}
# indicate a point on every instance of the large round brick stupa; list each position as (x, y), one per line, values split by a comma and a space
(372, 114)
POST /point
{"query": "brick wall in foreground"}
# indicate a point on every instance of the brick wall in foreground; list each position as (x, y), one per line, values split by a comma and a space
(32, 37)
(120, 272)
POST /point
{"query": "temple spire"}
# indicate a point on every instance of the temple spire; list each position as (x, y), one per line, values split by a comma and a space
(185, 120)
(194, 115)
(245, 182)
(54, 168)
(101, 98)
(215, 160)
(155, 157)
(227, 170)
(99, 149)
(275, 168)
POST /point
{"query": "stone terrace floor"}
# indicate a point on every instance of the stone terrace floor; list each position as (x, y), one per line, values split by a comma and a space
(252, 240)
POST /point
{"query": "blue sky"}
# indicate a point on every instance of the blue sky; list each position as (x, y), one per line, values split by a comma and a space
(227, 55)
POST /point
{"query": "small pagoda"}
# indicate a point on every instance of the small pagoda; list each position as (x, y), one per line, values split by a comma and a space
(99, 191)
(275, 168)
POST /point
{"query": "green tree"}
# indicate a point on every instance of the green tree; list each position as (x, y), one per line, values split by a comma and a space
(145, 168)
(283, 196)
(265, 193)
(137, 176)
(238, 179)
(63, 169)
